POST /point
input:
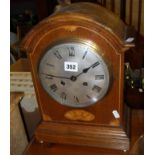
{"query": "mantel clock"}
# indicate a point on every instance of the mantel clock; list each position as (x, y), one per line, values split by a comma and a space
(77, 62)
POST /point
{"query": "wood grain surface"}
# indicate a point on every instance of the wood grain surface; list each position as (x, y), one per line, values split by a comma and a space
(137, 130)
(93, 23)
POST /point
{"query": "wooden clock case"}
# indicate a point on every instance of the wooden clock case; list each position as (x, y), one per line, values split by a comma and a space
(93, 23)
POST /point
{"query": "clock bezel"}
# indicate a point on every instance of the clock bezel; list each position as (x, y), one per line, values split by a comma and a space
(97, 51)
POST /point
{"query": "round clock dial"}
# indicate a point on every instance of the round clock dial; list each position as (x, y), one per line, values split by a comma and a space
(74, 74)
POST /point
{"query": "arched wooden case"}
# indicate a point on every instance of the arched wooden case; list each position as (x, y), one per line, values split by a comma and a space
(90, 22)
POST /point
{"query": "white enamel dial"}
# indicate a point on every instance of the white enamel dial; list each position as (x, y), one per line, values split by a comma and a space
(74, 74)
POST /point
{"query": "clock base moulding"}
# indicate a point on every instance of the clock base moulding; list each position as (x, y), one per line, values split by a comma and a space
(111, 137)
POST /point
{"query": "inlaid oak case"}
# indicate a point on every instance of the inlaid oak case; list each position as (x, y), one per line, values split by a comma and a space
(77, 62)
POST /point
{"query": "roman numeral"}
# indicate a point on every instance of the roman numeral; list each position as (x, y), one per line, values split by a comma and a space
(88, 96)
(76, 99)
(95, 64)
(53, 87)
(63, 96)
(57, 54)
(48, 64)
(85, 54)
(99, 77)
(71, 51)
(96, 88)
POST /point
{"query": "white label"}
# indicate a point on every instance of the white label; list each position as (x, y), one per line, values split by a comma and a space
(71, 66)
(130, 39)
(116, 114)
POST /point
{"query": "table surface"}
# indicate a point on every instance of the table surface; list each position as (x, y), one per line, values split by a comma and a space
(137, 129)
(15, 99)
(18, 138)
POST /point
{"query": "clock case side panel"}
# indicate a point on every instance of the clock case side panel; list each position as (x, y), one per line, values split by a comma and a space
(71, 132)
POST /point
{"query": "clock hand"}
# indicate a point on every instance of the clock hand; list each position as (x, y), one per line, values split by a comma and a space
(61, 77)
(74, 78)
(86, 69)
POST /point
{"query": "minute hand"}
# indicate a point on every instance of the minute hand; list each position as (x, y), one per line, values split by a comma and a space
(86, 69)
(61, 77)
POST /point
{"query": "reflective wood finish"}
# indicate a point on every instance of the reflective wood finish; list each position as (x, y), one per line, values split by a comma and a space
(96, 24)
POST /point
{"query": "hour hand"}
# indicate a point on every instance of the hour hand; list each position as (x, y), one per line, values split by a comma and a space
(85, 70)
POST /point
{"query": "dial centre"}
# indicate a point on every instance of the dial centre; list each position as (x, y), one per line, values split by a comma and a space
(73, 78)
